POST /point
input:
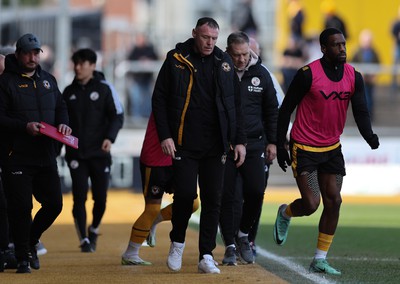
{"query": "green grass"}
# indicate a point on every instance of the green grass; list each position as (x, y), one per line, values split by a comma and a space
(366, 246)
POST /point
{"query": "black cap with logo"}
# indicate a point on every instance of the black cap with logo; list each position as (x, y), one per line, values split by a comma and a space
(28, 42)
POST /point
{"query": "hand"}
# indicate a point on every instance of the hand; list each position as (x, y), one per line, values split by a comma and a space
(240, 154)
(373, 141)
(283, 158)
(168, 147)
(270, 152)
(33, 128)
(64, 129)
(106, 146)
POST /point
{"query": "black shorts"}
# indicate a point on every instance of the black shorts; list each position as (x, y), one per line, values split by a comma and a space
(323, 159)
(156, 181)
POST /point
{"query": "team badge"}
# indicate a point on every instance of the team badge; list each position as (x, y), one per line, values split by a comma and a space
(223, 159)
(255, 81)
(226, 67)
(94, 96)
(155, 190)
(46, 84)
(74, 164)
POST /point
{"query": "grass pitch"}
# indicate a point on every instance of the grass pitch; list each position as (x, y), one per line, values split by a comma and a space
(365, 247)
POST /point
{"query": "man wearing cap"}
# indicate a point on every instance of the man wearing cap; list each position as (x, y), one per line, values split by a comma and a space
(29, 96)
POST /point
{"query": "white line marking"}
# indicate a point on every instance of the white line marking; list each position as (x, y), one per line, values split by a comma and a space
(292, 266)
(282, 260)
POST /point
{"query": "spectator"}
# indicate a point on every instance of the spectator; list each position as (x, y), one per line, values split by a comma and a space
(96, 116)
(366, 54)
(296, 14)
(396, 36)
(332, 19)
(292, 59)
(243, 19)
(198, 118)
(142, 81)
(28, 153)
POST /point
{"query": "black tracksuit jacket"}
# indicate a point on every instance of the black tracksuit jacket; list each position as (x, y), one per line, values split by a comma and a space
(94, 116)
(25, 99)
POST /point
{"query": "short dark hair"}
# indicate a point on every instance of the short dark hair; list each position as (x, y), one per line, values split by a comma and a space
(84, 54)
(209, 21)
(237, 37)
(323, 37)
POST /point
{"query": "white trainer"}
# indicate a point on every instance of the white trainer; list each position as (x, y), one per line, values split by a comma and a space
(208, 265)
(40, 248)
(174, 261)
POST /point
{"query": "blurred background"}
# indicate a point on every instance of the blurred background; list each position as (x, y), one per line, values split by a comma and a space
(132, 38)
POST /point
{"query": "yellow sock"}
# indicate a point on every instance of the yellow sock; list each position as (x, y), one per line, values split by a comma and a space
(141, 228)
(288, 211)
(324, 241)
(166, 212)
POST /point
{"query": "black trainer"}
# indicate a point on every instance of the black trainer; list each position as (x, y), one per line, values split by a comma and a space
(86, 247)
(229, 256)
(34, 260)
(93, 239)
(10, 261)
(244, 249)
(2, 259)
(23, 267)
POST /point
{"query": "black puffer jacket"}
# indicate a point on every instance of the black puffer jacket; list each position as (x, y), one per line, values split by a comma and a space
(95, 114)
(172, 96)
(26, 99)
(259, 103)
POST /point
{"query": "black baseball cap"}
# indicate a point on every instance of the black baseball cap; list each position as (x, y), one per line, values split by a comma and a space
(28, 42)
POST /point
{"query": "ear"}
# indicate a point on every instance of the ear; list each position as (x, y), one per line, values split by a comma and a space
(194, 33)
(323, 49)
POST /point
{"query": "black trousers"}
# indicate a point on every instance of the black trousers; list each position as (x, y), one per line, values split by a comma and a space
(252, 174)
(4, 235)
(20, 183)
(209, 172)
(98, 171)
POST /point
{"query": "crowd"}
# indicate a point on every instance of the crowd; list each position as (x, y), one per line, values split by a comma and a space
(218, 119)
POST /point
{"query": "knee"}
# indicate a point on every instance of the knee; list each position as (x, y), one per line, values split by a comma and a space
(310, 206)
(54, 208)
(333, 202)
(152, 210)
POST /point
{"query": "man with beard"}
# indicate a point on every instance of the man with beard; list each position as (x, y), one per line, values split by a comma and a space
(29, 96)
(322, 92)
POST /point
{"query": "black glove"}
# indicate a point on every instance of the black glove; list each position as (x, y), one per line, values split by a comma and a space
(373, 141)
(283, 158)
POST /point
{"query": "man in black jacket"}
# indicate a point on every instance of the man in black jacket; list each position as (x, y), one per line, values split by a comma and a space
(260, 111)
(96, 116)
(198, 118)
(29, 96)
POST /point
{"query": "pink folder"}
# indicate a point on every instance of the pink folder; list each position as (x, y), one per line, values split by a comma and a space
(52, 132)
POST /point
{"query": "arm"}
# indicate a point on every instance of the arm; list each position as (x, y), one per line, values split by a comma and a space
(270, 110)
(116, 115)
(361, 114)
(297, 90)
(160, 97)
(13, 125)
(241, 140)
(159, 109)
